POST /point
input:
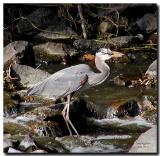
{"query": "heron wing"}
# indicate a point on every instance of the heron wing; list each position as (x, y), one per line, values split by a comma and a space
(60, 84)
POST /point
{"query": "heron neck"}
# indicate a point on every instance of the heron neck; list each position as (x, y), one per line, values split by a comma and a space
(104, 69)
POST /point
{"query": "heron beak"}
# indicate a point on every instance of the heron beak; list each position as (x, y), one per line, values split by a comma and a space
(116, 54)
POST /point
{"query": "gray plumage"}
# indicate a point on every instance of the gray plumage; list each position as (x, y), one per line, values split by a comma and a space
(62, 83)
(72, 80)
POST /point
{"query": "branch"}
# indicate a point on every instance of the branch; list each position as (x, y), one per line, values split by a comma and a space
(82, 21)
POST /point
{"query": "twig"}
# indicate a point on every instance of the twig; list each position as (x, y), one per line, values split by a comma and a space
(82, 21)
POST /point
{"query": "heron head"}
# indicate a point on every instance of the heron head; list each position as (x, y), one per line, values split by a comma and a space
(104, 54)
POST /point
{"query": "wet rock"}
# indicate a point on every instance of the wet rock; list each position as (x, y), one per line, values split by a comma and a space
(12, 150)
(27, 144)
(88, 144)
(45, 128)
(146, 143)
(19, 51)
(39, 151)
(116, 125)
(7, 142)
(28, 76)
(41, 17)
(146, 24)
(146, 104)
(130, 108)
(50, 145)
(71, 142)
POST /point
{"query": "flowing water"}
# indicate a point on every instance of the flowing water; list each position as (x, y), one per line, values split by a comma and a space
(109, 134)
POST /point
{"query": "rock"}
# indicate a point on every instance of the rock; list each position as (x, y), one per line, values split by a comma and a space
(27, 144)
(124, 41)
(28, 76)
(151, 72)
(146, 143)
(40, 18)
(12, 150)
(50, 145)
(115, 125)
(7, 142)
(19, 51)
(146, 24)
(52, 52)
(118, 42)
(58, 31)
(146, 104)
(39, 151)
(130, 108)
(127, 9)
(71, 142)
(45, 128)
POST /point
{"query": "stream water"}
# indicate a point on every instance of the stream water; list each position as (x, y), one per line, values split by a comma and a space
(109, 134)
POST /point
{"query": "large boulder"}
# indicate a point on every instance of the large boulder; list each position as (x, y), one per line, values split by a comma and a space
(39, 18)
(146, 143)
(19, 51)
(52, 51)
(146, 24)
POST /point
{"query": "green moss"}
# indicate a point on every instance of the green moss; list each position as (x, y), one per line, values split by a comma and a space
(13, 129)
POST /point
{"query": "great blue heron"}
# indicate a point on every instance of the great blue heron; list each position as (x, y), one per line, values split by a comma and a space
(68, 81)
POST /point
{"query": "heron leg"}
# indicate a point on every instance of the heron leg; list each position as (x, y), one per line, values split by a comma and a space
(67, 115)
(64, 116)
